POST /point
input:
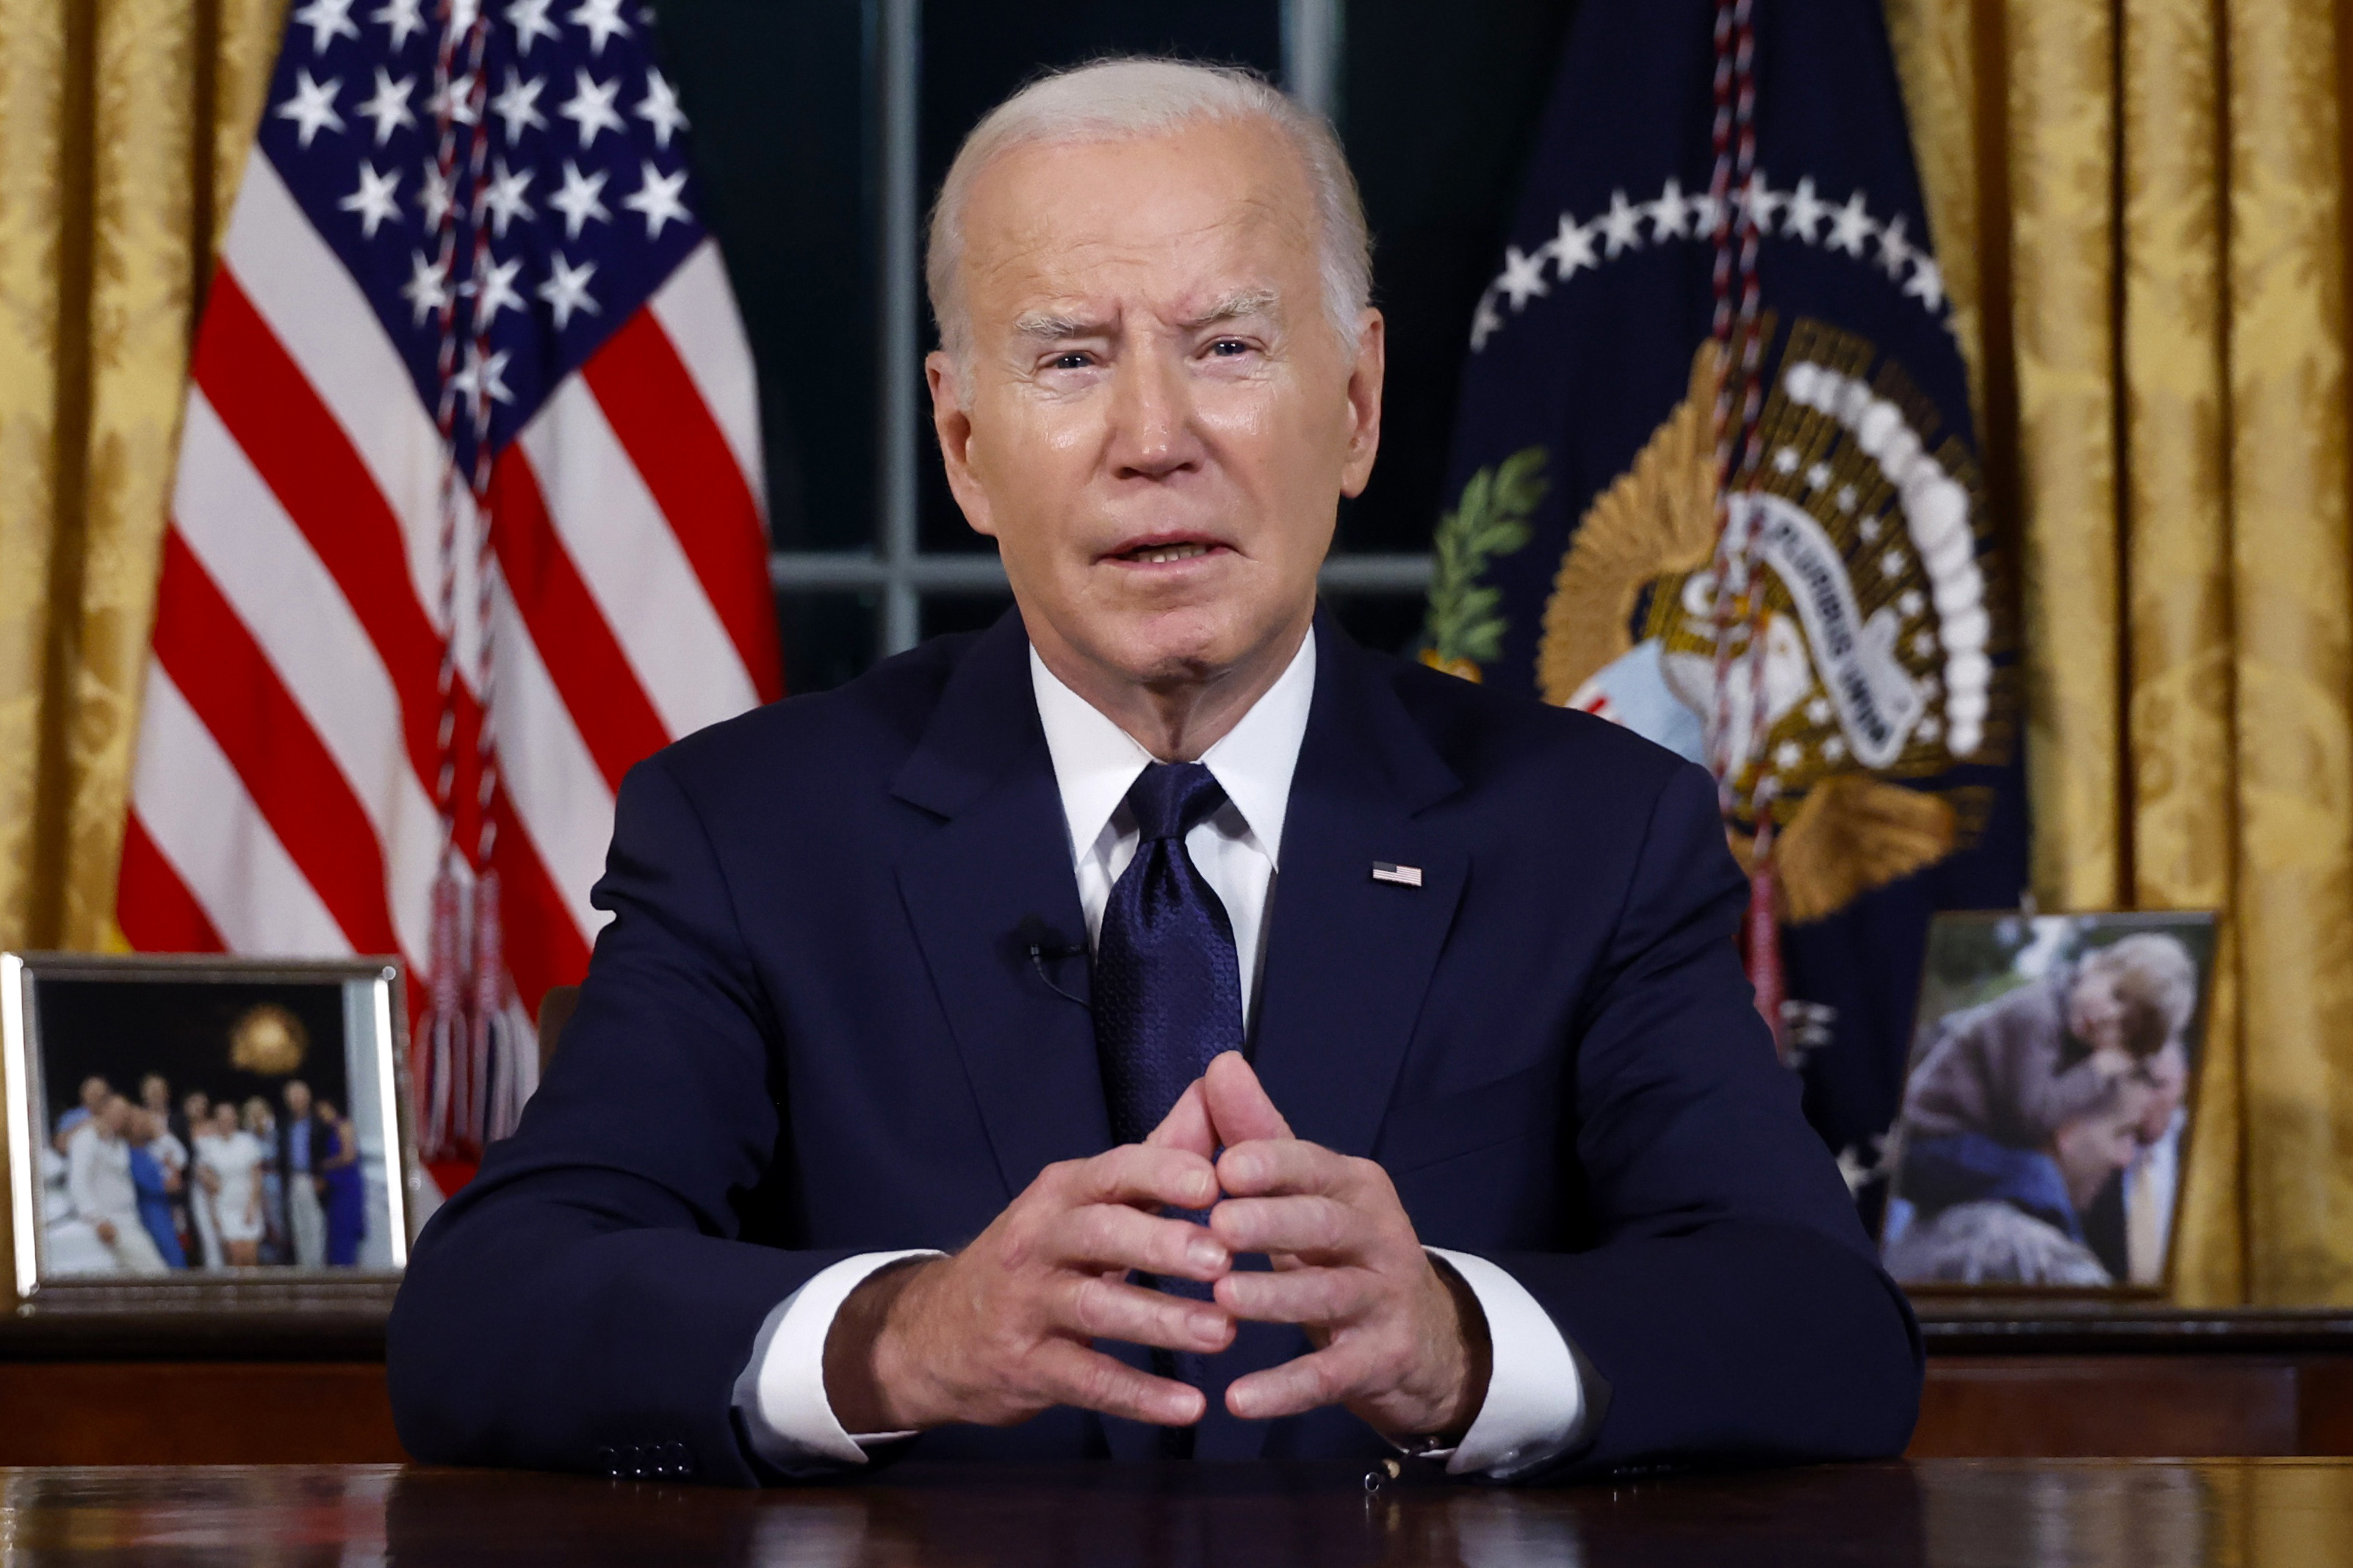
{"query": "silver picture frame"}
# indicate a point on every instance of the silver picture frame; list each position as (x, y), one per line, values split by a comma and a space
(369, 992)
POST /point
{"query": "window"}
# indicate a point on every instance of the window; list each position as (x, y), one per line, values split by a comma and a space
(822, 129)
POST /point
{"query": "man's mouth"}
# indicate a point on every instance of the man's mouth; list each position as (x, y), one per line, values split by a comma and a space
(1162, 553)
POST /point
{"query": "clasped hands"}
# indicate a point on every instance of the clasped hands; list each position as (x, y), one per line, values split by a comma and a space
(1003, 1329)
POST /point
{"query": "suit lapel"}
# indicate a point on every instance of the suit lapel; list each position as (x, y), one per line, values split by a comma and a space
(993, 882)
(1348, 958)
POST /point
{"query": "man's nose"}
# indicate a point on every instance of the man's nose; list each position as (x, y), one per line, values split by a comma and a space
(1151, 433)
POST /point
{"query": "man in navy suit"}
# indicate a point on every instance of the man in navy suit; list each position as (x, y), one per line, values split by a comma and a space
(1154, 1027)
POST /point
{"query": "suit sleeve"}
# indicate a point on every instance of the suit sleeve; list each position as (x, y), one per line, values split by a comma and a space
(588, 1302)
(1731, 1307)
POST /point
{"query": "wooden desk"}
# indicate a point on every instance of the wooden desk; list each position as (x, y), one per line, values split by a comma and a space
(2048, 1380)
(2250, 1513)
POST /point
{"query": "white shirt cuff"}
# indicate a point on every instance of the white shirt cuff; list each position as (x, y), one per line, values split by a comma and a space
(1535, 1408)
(781, 1394)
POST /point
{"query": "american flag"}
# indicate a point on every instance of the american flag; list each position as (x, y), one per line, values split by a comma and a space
(466, 519)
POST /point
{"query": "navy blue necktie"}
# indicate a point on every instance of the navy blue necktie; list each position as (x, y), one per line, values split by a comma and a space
(1167, 992)
(1167, 988)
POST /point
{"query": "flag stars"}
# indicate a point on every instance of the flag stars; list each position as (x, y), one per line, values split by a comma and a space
(1670, 214)
(657, 198)
(1759, 201)
(1895, 252)
(433, 197)
(399, 18)
(1819, 710)
(1909, 604)
(328, 20)
(389, 107)
(1484, 321)
(1928, 284)
(503, 197)
(1851, 226)
(373, 200)
(578, 200)
(1891, 565)
(1787, 756)
(566, 289)
(590, 108)
(1523, 275)
(1621, 225)
(529, 20)
(458, 102)
(1833, 749)
(602, 19)
(312, 106)
(494, 292)
(1807, 212)
(1869, 528)
(659, 109)
(1818, 476)
(427, 289)
(518, 104)
(1572, 248)
(483, 382)
(1846, 499)
(1785, 460)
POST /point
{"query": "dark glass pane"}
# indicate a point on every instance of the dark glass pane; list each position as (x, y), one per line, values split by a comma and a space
(974, 56)
(1441, 109)
(828, 636)
(779, 96)
(1386, 623)
(961, 612)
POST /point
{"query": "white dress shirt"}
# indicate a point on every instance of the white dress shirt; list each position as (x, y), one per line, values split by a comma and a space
(1535, 1401)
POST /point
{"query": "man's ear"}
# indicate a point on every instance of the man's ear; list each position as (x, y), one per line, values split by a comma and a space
(1366, 376)
(1239, 1111)
(952, 422)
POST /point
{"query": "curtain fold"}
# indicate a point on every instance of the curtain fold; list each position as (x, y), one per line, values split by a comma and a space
(2153, 196)
(122, 123)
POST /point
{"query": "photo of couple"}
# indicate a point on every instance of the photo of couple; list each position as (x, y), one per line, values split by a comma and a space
(2047, 1111)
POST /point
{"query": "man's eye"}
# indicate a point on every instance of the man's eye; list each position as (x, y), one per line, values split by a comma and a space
(1071, 360)
(1229, 347)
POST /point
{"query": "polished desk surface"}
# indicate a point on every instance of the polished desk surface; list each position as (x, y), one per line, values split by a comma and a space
(2247, 1513)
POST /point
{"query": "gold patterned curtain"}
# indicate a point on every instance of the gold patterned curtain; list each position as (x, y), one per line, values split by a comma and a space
(123, 124)
(2142, 208)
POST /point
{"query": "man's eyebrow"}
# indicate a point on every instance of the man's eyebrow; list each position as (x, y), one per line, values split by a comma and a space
(1233, 307)
(1044, 326)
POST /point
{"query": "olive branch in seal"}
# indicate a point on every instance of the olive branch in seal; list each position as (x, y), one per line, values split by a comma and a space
(1465, 629)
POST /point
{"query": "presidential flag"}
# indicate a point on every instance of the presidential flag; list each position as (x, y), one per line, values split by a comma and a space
(468, 520)
(1714, 479)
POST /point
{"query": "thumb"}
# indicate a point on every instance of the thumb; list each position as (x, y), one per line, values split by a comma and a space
(1187, 1125)
(1239, 1108)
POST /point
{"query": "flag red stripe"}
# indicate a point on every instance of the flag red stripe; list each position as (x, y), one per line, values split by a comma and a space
(659, 416)
(607, 703)
(300, 791)
(155, 908)
(295, 445)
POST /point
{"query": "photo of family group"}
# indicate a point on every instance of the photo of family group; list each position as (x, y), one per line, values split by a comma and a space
(2047, 1111)
(191, 1127)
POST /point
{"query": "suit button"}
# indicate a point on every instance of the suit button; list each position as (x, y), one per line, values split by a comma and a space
(608, 1462)
(681, 1462)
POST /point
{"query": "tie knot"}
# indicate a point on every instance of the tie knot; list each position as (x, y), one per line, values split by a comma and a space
(1169, 798)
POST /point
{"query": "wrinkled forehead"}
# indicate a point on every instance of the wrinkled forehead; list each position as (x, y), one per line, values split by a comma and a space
(1174, 223)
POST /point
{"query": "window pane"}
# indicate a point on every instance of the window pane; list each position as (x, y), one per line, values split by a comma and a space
(1440, 104)
(962, 612)
(828, 638)
(1386, 623)
(780, 97)
(972, 58)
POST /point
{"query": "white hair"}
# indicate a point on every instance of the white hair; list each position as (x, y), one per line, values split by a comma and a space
(1118, 99)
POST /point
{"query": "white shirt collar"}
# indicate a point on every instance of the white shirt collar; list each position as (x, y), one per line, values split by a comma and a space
(1096, 762)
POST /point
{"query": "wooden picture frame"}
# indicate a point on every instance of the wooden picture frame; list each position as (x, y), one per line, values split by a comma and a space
(228, 1038)
(2020, 1164)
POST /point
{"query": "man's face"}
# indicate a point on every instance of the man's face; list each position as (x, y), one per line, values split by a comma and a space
(1162, 419)
(298, 1099)
(2093, 1147)
(113, 1114)
(2095, 1014)
(95, 1093)
(2168, 1073)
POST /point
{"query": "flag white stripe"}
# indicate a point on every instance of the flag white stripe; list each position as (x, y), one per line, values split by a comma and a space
(205, 824)
(291, 606)
(325, 323)
(696, 309)
(550, 778)
(634, 570)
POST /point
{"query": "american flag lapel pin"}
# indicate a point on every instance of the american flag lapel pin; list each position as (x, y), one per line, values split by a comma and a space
(1403, 875)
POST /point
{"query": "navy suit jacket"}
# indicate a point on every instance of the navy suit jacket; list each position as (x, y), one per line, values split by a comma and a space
(815, 1027)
